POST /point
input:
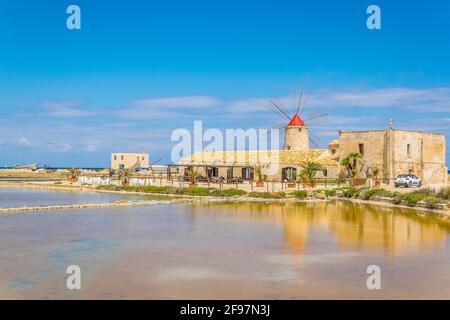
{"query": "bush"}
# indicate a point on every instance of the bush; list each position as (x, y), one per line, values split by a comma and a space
(330, 192)
(350, 192)
(432, 202)
(444, 194)
(267, 195)
(194, 191)
(367, 194)
(412, 198)
(228, 193)
(300, 194)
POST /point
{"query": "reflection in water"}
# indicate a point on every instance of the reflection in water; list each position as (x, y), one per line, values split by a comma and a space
(393, 231)
(224, 251)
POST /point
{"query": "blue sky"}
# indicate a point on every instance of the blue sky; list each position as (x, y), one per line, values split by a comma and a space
(138, 70)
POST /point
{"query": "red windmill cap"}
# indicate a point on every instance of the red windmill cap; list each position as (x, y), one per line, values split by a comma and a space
(296, 121)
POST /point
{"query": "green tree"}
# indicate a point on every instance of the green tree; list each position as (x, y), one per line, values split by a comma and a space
(192, 174)
(354, 164)
(309, 170)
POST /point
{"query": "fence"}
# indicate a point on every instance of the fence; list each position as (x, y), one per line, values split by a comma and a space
(247, 185)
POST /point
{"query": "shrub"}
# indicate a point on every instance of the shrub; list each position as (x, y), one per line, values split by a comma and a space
(432, 202)
(350, 192)
(267, 195)
(330, 192)
(444, 194)
(367, 194)
(59, 182)
(228, 192)
(194, 191)
(412, 198)
(300, 194)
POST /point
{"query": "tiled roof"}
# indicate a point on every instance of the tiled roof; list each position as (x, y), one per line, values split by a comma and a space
(334, 142)
(237, 158)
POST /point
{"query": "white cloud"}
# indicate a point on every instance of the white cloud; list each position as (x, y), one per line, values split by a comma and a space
(65, 109)
(417, 100)
(178, 102)
(24, 142)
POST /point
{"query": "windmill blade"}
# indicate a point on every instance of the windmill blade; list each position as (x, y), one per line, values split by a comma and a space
(280, 109)
(316, 124)
(306, 101)
(275, 110)
(281, 104)
(315, 137)
(293, 102)
(299, 102)
(316, 116)
(313, 142)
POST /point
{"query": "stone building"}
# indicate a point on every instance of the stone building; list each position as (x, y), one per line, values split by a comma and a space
(396, 152)
(125, 160)
(393, 152)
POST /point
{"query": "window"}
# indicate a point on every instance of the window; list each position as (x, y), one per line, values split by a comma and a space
(333, 151)
(247, 173)
(142, 158)
(121, 157)
(361, 148)
(289, 147)
(289, 174)
(115, 157)
(408, 150)
(325, 172)
(137, 158)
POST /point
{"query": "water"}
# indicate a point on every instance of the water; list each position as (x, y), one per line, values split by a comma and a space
(223, 251)
(10, 197)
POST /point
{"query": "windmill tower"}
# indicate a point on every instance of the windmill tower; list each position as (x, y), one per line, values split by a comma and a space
(297, 136)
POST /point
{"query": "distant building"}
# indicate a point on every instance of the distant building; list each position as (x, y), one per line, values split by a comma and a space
(125, 160)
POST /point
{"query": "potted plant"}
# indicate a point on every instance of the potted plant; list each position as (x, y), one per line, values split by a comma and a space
(74, 173)
(375, 173)
(309, 171)
(192, 175)
(260, 171)
(291, 177)
(124, 176)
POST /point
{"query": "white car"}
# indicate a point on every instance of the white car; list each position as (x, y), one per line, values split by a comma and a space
(408, 180)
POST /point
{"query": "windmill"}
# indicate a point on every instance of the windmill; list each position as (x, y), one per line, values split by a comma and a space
(296, 132)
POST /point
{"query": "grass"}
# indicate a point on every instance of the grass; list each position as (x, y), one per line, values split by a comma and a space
(228, 193)
(300, 194)
(432, 202)
(267, 195)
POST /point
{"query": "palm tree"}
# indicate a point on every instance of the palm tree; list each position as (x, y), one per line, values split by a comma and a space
(375, 173)
(192, 175)
(309, 170)
(74, 173)
(261, 171)
(353, 164)
(125, 176)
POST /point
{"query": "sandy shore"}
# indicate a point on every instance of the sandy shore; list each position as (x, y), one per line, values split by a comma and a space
(68, 187)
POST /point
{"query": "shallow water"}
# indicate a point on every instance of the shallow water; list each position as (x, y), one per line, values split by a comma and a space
(10, 197)
(267, 251)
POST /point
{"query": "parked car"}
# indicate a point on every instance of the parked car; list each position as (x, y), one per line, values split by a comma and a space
(408, 180)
